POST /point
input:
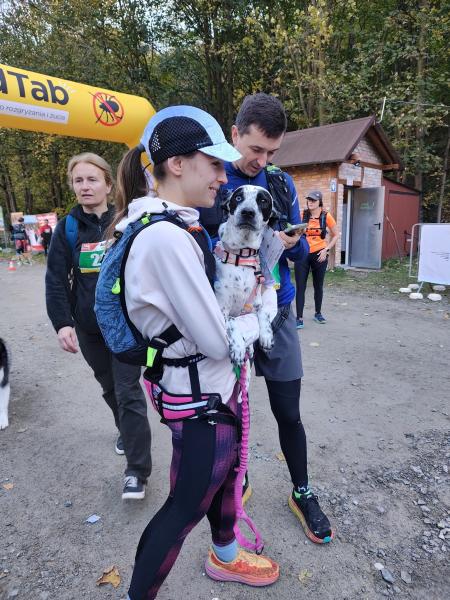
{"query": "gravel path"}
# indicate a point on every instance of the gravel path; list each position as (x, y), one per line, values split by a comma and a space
(376, 411)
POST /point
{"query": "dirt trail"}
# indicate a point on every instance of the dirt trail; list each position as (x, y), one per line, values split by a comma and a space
(376, 412)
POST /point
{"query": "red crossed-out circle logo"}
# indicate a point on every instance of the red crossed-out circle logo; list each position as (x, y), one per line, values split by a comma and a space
(107, 109)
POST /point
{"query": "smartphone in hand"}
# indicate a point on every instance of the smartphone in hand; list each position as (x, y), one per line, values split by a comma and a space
(293, 229)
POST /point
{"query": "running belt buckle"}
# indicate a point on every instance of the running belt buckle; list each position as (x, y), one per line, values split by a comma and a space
(213, 402)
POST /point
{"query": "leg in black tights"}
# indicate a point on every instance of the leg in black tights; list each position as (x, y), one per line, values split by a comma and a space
(301, 270)
(285, 404)
(318, 270)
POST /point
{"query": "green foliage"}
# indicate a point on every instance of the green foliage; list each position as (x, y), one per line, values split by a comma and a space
(327, 60)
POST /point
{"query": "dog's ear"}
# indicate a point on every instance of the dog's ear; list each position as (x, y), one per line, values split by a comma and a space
(265, 203)
(275, 216)
(225, 200)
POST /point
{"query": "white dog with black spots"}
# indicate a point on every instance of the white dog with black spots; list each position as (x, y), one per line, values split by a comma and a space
(240, 286)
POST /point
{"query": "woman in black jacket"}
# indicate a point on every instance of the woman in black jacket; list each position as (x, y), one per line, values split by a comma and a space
(74, 260)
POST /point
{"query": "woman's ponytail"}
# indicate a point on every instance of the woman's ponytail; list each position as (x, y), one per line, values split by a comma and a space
(131, 183)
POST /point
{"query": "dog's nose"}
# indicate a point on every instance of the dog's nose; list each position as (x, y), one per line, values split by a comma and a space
(247, 213)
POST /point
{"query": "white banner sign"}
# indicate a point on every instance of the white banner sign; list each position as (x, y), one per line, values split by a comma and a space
(29, 111)
(434, 257)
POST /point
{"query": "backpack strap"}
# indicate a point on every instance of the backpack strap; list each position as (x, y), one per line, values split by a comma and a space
(278, 187)
(71, 230)
(323, 224)
(155, 347)
(306, 215)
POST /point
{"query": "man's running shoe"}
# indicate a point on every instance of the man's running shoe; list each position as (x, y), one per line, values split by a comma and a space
(300, 324)
(319, 318)
(251, 569)
(119, 446)
(133, 489)
(246, 489)
(314, 522)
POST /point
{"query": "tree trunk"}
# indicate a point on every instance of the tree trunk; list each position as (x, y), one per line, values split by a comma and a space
(320, 84)
(29, 200)
(418, 178)
(6, 184)
(57, 194)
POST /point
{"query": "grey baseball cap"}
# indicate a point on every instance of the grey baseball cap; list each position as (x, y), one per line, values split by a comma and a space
(314, 195)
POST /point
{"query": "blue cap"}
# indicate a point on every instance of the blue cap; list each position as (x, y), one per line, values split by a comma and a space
(179, 130)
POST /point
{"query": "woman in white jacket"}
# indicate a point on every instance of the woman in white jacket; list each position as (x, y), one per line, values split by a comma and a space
(168, 282)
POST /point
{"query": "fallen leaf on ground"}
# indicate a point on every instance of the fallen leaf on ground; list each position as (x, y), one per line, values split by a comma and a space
(22, 430)
(110, 575)
(446, 315)
(304, 575)
(3, 574)
(280, 457)
(8, 486)
(314, 344)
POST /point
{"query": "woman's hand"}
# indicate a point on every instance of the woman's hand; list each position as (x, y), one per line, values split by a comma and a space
(323, 255)
(67, 339)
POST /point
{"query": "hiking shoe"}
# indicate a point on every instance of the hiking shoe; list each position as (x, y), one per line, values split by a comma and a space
(133, 489)
(314, 522)
(119, 446)
(319, 318)
(300, 324)
(251, 569)
(246, 490)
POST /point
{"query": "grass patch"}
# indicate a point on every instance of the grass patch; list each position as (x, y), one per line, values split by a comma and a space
(392, 275)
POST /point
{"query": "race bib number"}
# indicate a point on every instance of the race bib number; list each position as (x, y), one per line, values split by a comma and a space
(91, 256)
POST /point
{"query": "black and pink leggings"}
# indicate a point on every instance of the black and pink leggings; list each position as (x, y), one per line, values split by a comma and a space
(202, 477)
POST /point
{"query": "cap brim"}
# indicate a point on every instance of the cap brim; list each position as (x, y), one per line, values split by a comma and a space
(224, 151)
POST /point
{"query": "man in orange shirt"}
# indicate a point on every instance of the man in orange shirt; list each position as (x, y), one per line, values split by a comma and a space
(319, 223)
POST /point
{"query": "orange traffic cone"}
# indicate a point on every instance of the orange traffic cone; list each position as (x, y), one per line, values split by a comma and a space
(12, 266)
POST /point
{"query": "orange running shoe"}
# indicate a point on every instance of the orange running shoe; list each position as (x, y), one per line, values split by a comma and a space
(251, 569)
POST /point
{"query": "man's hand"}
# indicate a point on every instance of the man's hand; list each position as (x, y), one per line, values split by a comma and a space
(67, 339)
(289, 241)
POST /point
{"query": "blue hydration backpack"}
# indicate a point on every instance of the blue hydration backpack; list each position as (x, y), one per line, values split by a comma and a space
(71, 231)
(121, 336)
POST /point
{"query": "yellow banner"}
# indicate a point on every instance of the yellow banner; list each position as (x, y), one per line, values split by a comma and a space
(46, 104)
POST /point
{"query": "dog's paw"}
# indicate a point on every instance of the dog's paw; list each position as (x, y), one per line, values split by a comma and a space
(266, 340)
(4, 421)
(236, 343)
(237, 352)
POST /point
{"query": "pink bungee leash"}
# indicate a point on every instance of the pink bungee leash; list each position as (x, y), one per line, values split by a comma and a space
(258, 544)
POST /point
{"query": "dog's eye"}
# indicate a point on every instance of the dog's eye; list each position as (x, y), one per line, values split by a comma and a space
(238, 199)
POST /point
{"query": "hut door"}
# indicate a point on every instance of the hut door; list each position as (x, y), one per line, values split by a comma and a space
(367, 227)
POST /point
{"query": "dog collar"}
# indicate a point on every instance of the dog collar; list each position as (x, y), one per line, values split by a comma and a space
(247, 257)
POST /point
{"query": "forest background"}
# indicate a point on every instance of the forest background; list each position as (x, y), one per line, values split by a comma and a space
(327, 61)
